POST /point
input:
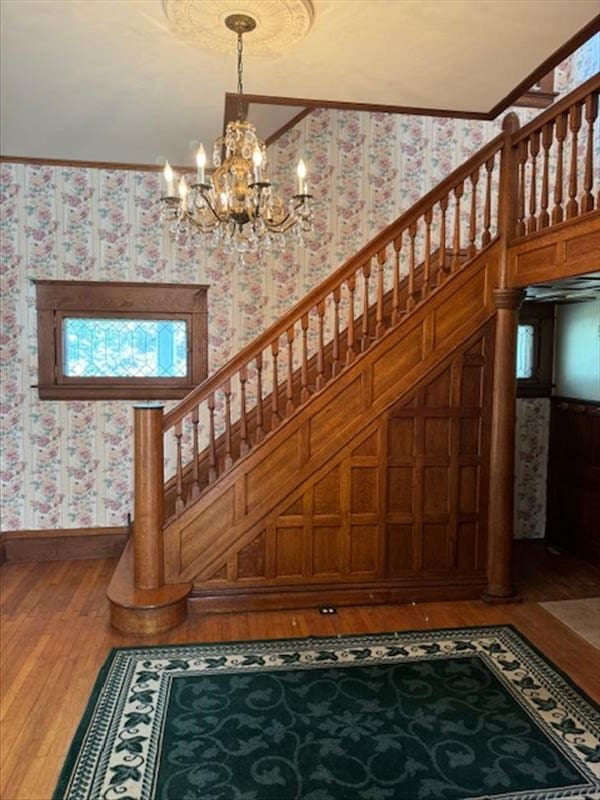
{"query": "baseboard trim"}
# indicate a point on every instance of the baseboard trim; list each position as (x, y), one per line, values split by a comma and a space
(390, 591)
(67, 544)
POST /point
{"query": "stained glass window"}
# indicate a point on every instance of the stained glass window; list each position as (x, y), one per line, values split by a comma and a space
(124, 348)
(525, 351)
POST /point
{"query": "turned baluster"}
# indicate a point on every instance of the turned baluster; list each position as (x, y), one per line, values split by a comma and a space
(244, 443)
(275, 390)
(544, 218)
(320, 381)
(350, 353)
(472, 249)
(591, 112)
(443, 270)
(289, 386)
(179, 504)
(427, 263)
(212, 449)
(574, 125)
(380, 327)
(458, 193)
(410, 301)
(486, 236)
(366, 271)
(227, 394)
(522, 159)
(534, 149)
(304, 393)
(561, 132)
(196, 453)
(335, 365)
(260, 425)
(396, 290)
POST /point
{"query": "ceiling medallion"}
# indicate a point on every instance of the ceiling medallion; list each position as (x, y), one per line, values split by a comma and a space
(279, 23)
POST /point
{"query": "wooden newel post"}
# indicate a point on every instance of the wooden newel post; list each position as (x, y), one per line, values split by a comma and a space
(148, 495)
(502, 451)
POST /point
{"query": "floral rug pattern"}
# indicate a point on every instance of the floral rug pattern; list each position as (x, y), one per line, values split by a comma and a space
(452, 714)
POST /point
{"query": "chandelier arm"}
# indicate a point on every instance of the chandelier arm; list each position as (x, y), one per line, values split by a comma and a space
(289, 220)
(213, 211)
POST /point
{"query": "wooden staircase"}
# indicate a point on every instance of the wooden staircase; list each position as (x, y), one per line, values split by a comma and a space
(355, 451)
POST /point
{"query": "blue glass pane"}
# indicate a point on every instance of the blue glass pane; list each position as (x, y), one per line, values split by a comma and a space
(525, 344)
(124, 348)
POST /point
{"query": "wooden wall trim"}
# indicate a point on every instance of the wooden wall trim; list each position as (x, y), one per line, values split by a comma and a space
(372, 108)
(569, 248)
(72, 162)
(564, 51)
(63, 544)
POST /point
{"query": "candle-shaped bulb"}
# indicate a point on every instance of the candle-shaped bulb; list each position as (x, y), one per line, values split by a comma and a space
(301, 172)
(200, 163)
(257, 160)
(168, 173)
(183, 189)
(223, 197)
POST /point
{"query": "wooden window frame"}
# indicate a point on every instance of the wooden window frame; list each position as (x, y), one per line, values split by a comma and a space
(56, 300)
(541, 316)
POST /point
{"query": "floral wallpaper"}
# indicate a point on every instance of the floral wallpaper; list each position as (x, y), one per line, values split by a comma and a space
(531, 466)
(68, 464)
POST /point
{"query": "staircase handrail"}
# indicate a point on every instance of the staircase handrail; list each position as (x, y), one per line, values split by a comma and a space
(332, 282)
(558, 108)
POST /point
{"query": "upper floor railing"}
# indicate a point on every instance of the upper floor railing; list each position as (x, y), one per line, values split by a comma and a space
(556, 167)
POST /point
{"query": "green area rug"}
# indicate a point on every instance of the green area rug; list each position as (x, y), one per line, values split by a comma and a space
(456, 713)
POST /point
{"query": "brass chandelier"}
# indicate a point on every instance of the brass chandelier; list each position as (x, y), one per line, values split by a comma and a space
(237, 206)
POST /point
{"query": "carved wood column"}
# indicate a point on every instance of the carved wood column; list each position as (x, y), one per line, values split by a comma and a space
(502, 452)
(148, 495)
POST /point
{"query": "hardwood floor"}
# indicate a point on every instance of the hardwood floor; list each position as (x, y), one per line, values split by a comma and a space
(55, 635)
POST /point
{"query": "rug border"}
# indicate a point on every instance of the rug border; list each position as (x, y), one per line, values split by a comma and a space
(72, 752)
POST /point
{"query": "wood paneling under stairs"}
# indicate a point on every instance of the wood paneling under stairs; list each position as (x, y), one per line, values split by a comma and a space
(55, 635)
(307, 508)
(398, 512)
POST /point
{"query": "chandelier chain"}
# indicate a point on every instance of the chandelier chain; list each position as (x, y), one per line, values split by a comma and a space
(240, 72)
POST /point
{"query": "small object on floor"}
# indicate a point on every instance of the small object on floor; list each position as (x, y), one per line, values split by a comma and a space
(553, 551)
(327, 610)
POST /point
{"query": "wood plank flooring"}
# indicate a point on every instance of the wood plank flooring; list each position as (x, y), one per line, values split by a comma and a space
(55, 636)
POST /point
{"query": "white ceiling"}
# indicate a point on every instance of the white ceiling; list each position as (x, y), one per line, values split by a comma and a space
(107, 80)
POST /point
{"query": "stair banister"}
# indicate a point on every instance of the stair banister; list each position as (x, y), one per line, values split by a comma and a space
(329, 285)
(554, 137)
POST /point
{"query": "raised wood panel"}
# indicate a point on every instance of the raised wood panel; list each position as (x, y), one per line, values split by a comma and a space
(386, 370)
(215, 522)
(283, 461)
(327, 550)
(436, 503)
(339, 413)
(326, 493)
(289, 558)
(336, 427)
(364, 540)
(571, 248)
(456, 311)
(251, 559)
